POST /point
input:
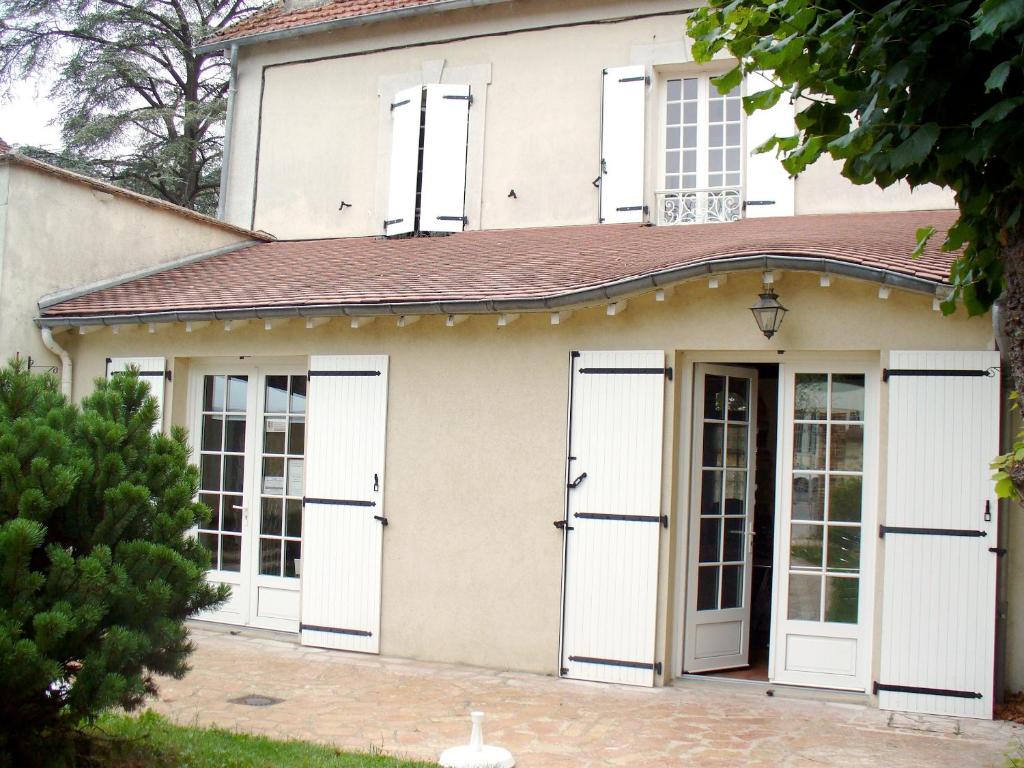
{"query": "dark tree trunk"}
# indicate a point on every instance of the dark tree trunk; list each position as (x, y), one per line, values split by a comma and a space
(1013, 323)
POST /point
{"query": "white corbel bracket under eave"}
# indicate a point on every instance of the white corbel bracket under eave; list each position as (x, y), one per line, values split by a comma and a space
(557, 318)
(406, 320)
(195, 325)
(234, 325)
(85, 330)
(663, 293)
(884, 291)
(316, 322)
(941, 294)
(617, 308)
(717, 281)
(453, 320)
(506, 318)
(270, 324)
(825, 281)
(360, 322)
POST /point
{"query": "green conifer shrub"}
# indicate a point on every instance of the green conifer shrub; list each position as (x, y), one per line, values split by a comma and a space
(98, 570)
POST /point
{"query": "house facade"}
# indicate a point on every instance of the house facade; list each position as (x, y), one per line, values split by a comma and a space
(496, 396)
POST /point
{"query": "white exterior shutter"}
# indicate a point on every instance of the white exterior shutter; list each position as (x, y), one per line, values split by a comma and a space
(443, 194)
(769, 189)
(406, 113)
(939, 589)
(622, 144)
(614, 513)
(152, 370)
(343, 515)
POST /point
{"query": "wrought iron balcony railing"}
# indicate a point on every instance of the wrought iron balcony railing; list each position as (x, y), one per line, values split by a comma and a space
(699, 206)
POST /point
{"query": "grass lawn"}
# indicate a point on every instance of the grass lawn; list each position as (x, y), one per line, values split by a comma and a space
(151, 741)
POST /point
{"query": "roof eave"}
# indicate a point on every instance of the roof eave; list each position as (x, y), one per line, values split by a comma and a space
(568, 300)
(348, 21)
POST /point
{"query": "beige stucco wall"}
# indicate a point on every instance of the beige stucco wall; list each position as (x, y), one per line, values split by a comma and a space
(60, 235)
(309, 135)
(476, 437)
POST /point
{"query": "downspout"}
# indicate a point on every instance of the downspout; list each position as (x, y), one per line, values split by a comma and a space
(225, 158)
(65, 360)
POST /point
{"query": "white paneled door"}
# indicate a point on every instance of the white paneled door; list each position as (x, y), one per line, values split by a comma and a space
(344, 515)
(939, 534)
(721, 518)
(613, 518)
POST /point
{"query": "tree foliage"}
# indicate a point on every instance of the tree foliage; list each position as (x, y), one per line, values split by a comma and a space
(97, 572)
(916, 90)
(138, 106)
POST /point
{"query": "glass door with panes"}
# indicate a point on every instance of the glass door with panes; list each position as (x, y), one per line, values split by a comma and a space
(249, 433)
(721, 518)
(824, 527)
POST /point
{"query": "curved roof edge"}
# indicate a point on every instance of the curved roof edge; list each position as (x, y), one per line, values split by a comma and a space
(561, 301)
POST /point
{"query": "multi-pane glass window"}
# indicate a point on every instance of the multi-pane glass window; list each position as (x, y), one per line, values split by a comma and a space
(722, 538)
(828, 474)
(283, 472)
(222, 467)
(703, 135)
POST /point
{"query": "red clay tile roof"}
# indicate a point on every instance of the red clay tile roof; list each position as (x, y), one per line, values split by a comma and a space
(4, 147)
(498, 268)
(278, 17)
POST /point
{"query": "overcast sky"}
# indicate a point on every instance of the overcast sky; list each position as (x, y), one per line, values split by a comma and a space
(24, 117)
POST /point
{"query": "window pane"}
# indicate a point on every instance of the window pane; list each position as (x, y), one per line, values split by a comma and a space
(844, 498)
(732, 134)
(805, 546)
(732, 551)
(674, 89)
(709, 549)
(213, 393)
(672, 182)
(273, 476)
(811, 393)
(848, 397)
(209, 471)
(230, 553)
(292, 552)
(736, 455)
(732, 109)
(270, 557)
(732, 179)
(234, 469)
(212, 502)
(847, 447)
(298, 401)
(735, 493)
(690, 113)
(732, 159)
(844, 548)
(296, 477)
(689, 162)
(672, 138)
(809, 446)
(841, 600)
(231, 513)
(234, 434)
(672, 114)
(713, 434)
(808, 497)
(690, 88)
(690, 137)
(714, 397)
(237, 390)
(804, 597)
(739, 396)
(277, 394)
(275, 429)
(270, 517)
(716, 110)
(293, 517)
(672, 162)
(209, 540)
(297, 436)
(714, 161)
(711, 492)
(715, 136)
(213, 428)
(732, 586)
(707, 588)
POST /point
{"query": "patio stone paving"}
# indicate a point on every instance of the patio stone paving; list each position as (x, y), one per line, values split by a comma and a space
(417, 709)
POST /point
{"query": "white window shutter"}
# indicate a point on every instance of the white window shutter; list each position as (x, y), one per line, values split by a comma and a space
(622, 144)
(343, 514)
(443, 193)
(152, 370)
(769, 189)
(939, 588)
(406, 112)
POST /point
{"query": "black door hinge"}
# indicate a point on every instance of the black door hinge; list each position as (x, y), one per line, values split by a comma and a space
(563, 525)
(383, 520)
(998, 551)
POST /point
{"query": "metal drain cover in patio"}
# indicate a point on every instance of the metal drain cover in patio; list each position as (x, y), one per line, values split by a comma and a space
(255, 700)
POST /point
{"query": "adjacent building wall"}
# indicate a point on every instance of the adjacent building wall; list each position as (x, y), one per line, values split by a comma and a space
(312, 126)
(476, 437)
(57, 234)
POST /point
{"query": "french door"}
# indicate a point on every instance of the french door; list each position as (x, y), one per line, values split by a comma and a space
(249, 442)
(825, 526)
(721, 518)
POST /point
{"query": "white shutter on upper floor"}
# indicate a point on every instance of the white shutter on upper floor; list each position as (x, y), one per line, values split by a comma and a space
(152, 370)
(939, 534)
(443, 192)
(622, 144)
(406, 113)
(343, 516)
(769, 189)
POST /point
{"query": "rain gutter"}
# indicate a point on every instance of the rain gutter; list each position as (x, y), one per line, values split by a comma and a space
(567, 300)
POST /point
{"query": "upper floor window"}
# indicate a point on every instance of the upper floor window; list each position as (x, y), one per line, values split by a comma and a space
(703, 152)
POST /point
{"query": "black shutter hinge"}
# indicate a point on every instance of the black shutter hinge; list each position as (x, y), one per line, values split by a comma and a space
(668, 372)
(576, 483)
(389, 222)
(657, 667)
(167, 374)
(383, 520)
(463, 219)
(467, 97)
(563, 525)
(998, 551)
(399, 104)
(563, 671)
(664, 521)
